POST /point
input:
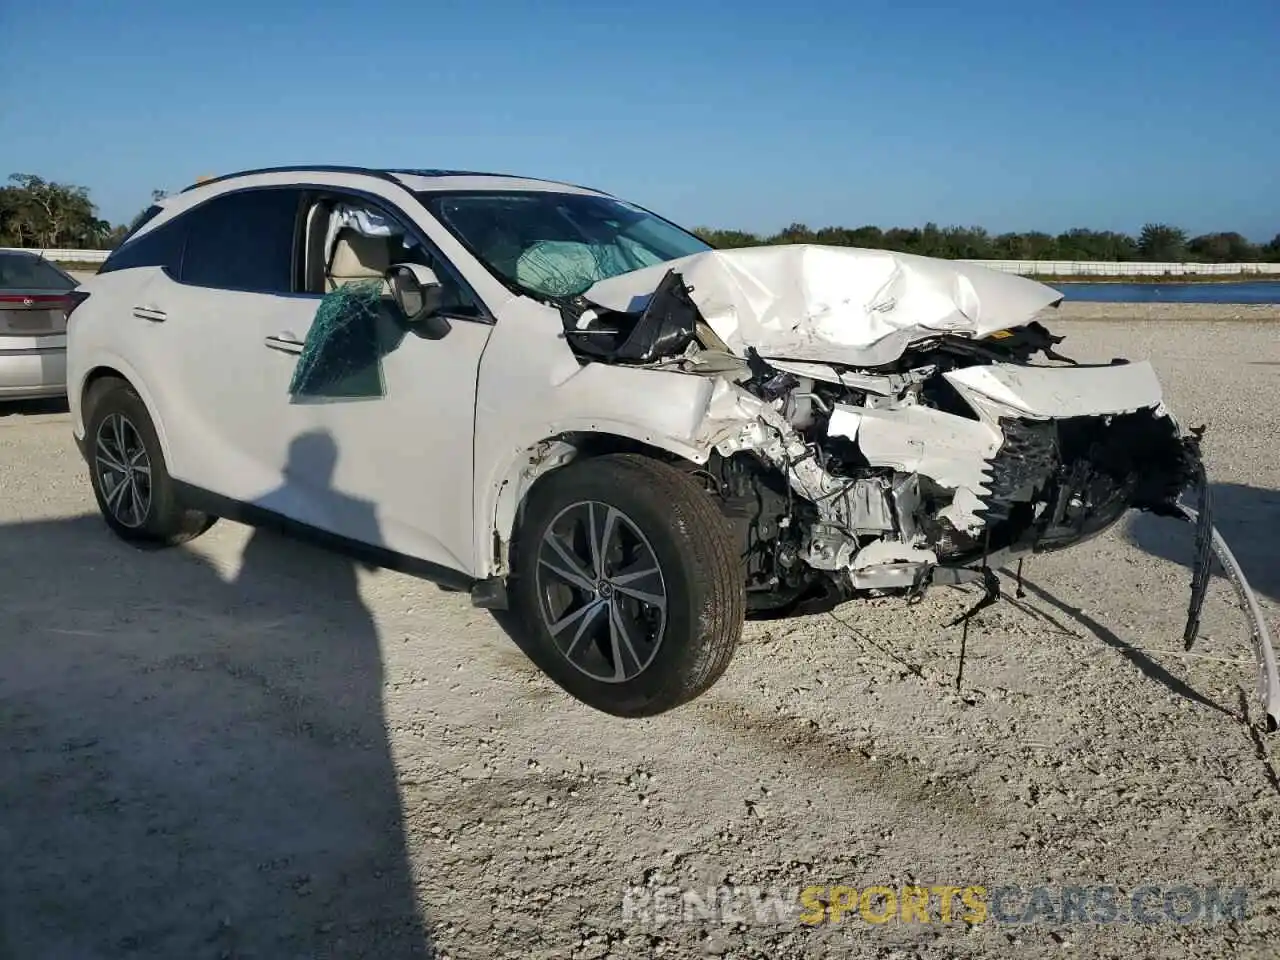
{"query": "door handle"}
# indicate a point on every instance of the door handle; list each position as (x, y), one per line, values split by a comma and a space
(150, 313)
(284, 343)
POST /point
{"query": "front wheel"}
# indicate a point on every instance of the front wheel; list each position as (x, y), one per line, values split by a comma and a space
(627, 584)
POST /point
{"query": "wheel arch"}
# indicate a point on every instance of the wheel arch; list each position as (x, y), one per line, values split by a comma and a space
(532, 465)
(117, 370)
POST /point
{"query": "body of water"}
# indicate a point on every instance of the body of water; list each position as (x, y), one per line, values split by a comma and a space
(1258, 291)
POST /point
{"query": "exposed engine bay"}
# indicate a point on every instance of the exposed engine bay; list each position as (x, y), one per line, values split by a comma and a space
(846, 479)
(970, 441)
(890, 488)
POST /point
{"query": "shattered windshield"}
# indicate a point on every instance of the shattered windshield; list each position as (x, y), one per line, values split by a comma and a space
(559, 244)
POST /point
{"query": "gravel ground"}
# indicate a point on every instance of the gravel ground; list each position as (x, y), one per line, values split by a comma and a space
(249, 748)
(1180, 312)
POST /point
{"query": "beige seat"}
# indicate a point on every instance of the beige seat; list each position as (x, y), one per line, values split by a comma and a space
(358, 258)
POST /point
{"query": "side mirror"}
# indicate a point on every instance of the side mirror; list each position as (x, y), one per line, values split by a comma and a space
(415, 289)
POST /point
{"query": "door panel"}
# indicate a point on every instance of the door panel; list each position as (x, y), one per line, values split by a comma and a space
(392, 466)
(385, 459)
(226, 272)
(382, 453)
(377, 440)
(221, 410)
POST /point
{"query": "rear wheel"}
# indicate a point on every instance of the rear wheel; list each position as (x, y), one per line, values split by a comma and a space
(627, 584)
(133, 488)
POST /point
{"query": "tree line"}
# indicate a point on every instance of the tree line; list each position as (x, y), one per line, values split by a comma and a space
(1157, 242)
(35, 212)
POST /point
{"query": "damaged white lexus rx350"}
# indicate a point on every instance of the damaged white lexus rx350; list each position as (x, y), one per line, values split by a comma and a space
(565, 404)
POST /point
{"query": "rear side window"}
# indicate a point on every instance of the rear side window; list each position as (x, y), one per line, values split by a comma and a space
(243, 241)
(142, 220)
(162, 247)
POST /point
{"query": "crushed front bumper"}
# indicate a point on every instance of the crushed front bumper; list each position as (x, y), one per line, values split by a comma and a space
(1068, 470)
(1209, 543)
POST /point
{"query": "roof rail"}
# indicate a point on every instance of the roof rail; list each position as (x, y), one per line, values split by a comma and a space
(295, 168)
(506, 176)
(446, 173)
(389, 174)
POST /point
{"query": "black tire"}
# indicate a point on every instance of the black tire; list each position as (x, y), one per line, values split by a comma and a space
(705, 598)
(165, 521)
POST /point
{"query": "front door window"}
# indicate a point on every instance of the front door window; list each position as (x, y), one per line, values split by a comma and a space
(357, 325)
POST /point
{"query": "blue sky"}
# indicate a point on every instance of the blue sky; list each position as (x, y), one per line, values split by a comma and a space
(749, 114)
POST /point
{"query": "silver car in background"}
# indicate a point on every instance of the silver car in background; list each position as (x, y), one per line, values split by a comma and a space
(35, 297)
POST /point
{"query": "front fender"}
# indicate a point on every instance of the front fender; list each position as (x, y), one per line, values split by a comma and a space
(662, 410)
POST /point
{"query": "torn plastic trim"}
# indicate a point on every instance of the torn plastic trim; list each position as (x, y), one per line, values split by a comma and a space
(512, 490)
(664, 328)
(1268, 690)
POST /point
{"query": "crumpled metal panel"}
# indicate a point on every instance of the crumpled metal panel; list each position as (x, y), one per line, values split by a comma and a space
(835, 304)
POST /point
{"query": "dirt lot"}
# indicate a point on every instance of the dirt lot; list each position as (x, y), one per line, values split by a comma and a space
(249, 748)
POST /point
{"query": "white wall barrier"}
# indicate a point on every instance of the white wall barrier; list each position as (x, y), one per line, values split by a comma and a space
(1057, 268)
(69, 256)
(1131, 268)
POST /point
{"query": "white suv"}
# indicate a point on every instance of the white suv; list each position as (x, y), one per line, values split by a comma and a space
(543, 394)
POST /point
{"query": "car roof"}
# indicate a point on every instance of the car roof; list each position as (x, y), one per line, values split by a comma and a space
(417, 180)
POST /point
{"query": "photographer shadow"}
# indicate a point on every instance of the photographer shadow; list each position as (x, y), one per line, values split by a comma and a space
(191, 766)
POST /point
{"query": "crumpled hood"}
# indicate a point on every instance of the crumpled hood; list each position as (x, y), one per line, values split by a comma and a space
(843, 305)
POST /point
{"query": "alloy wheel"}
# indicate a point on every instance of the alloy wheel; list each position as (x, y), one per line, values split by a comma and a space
(601, 591)
(124, 470)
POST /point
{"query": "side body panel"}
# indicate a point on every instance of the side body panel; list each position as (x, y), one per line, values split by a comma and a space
(393, 470)
(100, 334)
(532, 388)
(208, 368)
(398, 471)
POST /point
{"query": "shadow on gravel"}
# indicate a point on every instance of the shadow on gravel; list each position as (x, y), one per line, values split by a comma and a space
(517, 632)
(1249, 520)
(191, 767)
(31, 408)
(1149, 668)
(1258, 744)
